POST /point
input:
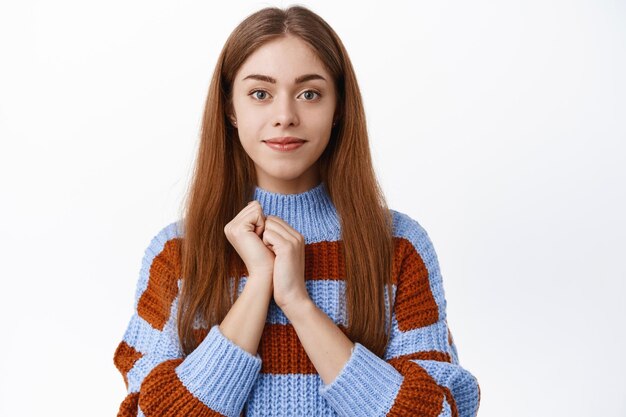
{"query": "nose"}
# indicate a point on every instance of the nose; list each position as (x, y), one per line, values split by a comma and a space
(286, 113)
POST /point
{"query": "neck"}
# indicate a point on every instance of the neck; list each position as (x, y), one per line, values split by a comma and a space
(304, 182)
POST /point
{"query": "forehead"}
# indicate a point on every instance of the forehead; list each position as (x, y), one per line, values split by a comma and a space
(284, 58)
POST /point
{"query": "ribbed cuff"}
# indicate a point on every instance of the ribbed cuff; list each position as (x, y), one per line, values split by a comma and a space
(220, 373)
(366, 386)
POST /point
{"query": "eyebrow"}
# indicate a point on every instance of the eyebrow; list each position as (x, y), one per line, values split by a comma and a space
(298, 80)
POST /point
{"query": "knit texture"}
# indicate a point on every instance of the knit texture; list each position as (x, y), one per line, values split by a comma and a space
(419, 374)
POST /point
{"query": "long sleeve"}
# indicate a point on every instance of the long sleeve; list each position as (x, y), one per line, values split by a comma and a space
(420, 374)
(213, 380)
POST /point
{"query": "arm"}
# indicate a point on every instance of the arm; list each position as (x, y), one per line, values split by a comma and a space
(245, 320)
(420, 373)
(213, 380)
(326, 345)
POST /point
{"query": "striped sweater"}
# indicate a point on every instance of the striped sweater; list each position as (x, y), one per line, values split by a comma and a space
(419, 374)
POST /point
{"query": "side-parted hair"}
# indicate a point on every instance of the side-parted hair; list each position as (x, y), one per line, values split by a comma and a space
(224, 177)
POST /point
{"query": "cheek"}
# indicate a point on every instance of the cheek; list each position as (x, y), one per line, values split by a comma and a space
(249, 116)
(324, 123)
(319, 118)
(247, 140)
(249, 132)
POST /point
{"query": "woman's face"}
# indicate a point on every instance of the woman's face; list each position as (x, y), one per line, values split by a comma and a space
(270, 102)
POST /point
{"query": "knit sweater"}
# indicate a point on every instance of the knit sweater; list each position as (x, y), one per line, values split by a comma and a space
(419, 374)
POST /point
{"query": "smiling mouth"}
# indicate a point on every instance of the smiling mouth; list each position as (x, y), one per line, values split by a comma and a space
(284, 147)
(284, 140)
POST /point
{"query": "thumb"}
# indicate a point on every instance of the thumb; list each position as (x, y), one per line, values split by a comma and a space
(259, 224)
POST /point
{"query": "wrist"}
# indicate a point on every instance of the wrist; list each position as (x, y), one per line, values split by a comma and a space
(259, 283)
(298, 309)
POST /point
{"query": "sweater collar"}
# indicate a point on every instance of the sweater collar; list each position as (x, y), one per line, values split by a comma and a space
(312, 212)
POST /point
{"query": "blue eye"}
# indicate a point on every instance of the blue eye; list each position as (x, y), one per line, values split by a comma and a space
(309, 95)
(254, 94)
(311, 92)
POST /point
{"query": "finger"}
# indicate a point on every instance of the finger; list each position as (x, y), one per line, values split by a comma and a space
(252, 217)
(258, 221)
(251, 206)
(272, 224)
(271, 238)
(285, 226)
(244, 212)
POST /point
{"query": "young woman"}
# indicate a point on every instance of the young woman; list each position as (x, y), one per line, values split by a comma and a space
(288, 288)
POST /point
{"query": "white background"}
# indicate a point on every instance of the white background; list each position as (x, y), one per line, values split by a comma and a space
(498, 125)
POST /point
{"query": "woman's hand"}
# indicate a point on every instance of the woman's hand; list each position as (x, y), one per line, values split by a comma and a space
(288, 246)
(244, 233)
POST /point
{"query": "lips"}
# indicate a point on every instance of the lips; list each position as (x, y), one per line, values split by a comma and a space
(284, 144)
(285, 140)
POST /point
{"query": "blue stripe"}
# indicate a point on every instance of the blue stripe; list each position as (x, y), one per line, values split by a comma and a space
(288, 395)
(156, 346)
(446, 410)
(328, 295)
(433, 337)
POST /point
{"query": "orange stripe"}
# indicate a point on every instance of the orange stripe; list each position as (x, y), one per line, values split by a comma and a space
(164, 395)
(280, 350)
(323, 260)
(282, 353)
(199, 334)
(155, 302)
(428, 355)
(124, 359)
(419, 394)
(415, 304)
(128, 407)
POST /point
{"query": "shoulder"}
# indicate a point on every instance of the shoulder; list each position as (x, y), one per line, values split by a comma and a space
(413, 237)
(167, 235)
(408, 230)
(157, 286)
(406, 226)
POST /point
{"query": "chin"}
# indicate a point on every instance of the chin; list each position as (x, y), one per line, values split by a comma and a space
(285, 174)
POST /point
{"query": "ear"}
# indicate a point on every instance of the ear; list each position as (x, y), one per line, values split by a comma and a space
(230, 113)
(337, 115)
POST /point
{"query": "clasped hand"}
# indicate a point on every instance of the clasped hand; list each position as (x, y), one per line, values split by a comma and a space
(270, 244)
